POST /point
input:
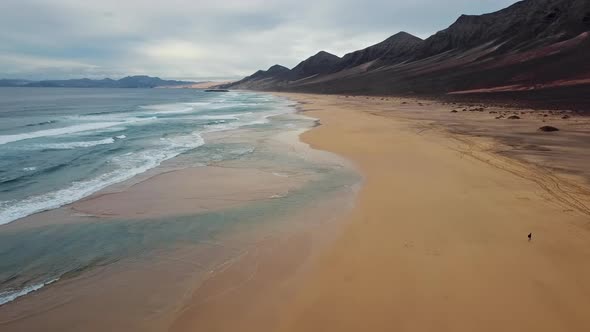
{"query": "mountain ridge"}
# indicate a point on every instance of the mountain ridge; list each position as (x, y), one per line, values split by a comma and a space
(320, 63)
(526, 49)
(398, 47)
(137, 81)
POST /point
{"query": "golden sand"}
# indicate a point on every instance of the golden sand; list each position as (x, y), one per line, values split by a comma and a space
(438, 238)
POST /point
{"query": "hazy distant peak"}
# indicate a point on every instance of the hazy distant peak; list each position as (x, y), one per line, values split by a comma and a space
(138, 81)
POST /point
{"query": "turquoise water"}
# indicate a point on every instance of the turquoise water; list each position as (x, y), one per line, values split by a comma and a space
(70, 164)
(60, 145)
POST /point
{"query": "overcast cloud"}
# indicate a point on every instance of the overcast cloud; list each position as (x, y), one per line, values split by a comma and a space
(195, 39)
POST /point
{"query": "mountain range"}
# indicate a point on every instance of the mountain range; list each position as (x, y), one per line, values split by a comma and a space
(534, 50)
(140, 81)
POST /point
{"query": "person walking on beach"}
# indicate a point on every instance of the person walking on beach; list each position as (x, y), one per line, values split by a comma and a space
(530, 236)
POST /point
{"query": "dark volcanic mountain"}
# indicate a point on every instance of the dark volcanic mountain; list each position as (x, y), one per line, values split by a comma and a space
(397, 48)
(530, 50)
(262, 79)
(524, 25)
(127, 82)
(277, 75)
(321, 63)
(275, 70)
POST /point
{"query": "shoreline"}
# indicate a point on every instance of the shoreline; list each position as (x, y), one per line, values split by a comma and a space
(224, 189)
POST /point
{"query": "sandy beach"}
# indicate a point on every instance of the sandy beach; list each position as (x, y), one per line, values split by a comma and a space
(178, 245)
(438, 238)
(293, 166)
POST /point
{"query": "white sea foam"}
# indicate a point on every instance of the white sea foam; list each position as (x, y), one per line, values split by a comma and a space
(79, 128)
(251, 121)
(11, 295)
(175, 111)
(128, 165)
(178, 108)
(4, 139)
(125, 166)
(199, 103)
(235, 116)
(188, 141)
(29, 169)
(283, 175)
(76, 145)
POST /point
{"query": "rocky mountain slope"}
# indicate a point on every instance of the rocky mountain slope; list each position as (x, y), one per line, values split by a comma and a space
(397, 48)
(530, 49)
(321, 63)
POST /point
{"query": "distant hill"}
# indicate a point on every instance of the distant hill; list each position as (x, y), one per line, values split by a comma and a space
(140, 81)
(16, 82)
(533, 50)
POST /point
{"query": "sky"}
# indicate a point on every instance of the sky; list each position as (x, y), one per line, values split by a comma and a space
(202, 40)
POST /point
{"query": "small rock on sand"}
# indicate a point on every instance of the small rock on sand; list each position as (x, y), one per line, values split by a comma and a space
(548, 128)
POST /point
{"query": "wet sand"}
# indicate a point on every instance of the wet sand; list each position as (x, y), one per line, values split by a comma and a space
(168, 194)
(438, 238)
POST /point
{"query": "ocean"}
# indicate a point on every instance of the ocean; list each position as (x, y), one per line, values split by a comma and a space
(58, 146)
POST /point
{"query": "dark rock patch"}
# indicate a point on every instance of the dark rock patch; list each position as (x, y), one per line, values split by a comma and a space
(548, 129)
